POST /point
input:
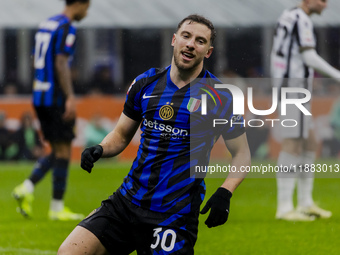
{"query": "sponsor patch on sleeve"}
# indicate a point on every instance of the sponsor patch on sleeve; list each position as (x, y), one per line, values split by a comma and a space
(134, 81)
(70, 40)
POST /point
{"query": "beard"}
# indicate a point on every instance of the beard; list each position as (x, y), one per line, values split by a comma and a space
(184, 67)
(78, 17)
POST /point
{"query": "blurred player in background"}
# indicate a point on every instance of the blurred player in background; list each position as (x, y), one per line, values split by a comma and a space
(54, 103)
(156, 209)
(293, 61)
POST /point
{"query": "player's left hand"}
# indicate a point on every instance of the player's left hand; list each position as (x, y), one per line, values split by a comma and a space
(219, 204)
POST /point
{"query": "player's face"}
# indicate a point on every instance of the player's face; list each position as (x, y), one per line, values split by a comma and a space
(81, 10)
(191, 45)
(317, 6)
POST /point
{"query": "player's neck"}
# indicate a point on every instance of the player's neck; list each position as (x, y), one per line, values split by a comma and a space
(68, 12)
(183, 77)
(305, 8)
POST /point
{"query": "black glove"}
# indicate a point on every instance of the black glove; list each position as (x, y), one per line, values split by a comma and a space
(219, 204)
(89, 156)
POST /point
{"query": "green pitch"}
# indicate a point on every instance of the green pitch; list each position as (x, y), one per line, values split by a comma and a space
(251, 228)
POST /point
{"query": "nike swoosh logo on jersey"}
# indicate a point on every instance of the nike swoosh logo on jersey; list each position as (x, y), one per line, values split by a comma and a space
(145, 96)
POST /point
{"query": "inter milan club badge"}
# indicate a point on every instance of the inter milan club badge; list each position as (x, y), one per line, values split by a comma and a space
(193, 104)
(166, 112)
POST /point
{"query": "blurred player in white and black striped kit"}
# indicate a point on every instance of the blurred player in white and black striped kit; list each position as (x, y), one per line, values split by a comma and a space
(293, 61)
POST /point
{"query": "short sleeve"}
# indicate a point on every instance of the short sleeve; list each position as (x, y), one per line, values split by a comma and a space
(65, 39)
(132, 106)
(236, 130)
(305, 32)
(236, 126)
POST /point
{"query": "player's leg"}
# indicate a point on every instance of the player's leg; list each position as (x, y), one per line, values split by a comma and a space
(81, 241)
(290, 160)
(41, 167)
(23, 193)
(58, 211)
(113, 225)
(306, 181)
(60, 135)
(306, 177)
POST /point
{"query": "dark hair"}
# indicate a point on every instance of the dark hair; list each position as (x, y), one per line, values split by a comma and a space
(69, 2)
(201, 20)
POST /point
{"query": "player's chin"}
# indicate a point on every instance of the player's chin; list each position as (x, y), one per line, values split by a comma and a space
(186, 66)
(78, 17)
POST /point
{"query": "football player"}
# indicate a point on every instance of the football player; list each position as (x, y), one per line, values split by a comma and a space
(54, 103)
(293, 60)
(156, 209)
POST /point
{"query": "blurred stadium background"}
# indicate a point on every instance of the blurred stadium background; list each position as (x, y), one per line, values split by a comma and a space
(119, 40)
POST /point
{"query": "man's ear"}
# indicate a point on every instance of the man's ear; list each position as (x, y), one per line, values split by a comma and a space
(209, 52)
(173, 40)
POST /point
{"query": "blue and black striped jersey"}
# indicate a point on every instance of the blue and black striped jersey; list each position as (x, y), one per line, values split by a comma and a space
(54, 36)
(174, 138)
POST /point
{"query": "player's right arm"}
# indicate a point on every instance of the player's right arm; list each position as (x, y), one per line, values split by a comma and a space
(113, 144)
(64, 48)
(64, 78)
(117, 140)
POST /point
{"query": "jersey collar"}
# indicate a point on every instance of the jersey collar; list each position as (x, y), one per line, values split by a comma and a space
(199, 77)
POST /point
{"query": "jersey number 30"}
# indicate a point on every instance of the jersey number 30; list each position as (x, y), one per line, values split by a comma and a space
(169, 233)
(42, 40)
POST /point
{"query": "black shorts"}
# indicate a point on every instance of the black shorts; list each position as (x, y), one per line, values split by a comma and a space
(123, 227)
(53, 126)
